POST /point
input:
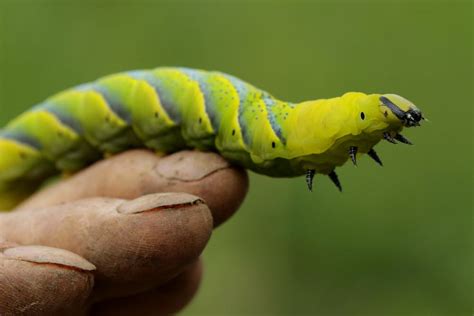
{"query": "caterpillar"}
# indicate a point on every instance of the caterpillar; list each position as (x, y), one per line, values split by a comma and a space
(168, 109)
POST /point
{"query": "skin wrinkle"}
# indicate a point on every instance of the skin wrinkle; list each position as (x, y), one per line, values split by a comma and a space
(28, 307)
(134, 255)
(120, 227)
(85, 225)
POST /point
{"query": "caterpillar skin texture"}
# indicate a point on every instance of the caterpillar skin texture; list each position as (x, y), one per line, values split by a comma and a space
(168, 109)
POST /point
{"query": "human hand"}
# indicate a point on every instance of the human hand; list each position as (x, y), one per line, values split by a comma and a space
(128, 251)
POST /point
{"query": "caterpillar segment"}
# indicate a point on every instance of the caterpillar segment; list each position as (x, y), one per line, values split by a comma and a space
(168, 109)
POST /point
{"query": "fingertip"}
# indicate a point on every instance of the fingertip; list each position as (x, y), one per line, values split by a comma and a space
(224, 192)
(154, 238)
(38, 280)
(206, 175)
(135, 244)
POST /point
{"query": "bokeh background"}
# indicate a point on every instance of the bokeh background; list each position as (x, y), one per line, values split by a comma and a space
(398, 241)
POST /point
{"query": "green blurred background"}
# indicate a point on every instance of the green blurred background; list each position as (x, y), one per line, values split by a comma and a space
(398, 241)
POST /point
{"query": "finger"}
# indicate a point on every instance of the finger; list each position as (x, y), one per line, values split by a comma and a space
(165, 300)
(36, 280)
(135, 245)
(138, 172)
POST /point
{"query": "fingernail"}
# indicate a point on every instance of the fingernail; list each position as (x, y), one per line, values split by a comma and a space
(154, 202)
(42, 254)
(190, 165)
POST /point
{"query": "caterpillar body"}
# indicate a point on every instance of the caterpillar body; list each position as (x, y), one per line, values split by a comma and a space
(167, 109)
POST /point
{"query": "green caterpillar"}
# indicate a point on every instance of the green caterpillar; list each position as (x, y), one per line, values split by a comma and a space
(168, 109)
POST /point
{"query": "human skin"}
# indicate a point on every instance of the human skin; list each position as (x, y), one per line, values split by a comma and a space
(113, 240)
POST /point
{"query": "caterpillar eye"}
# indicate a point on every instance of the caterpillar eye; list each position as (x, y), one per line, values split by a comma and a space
(416, 115)
(412, 118)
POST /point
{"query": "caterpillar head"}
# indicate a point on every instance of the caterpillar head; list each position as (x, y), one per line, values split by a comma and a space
(400, 110)
(330, 132)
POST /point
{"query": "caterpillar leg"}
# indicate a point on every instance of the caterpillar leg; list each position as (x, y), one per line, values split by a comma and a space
(335, 179)
(403, 139)
(389, 138)
(372, 154)
(309, 178)
(352, 154)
